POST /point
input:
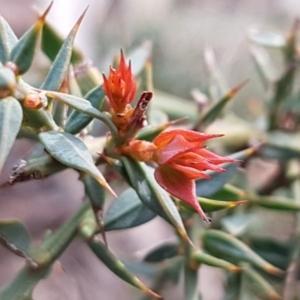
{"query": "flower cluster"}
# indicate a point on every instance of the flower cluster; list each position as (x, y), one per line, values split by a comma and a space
(180, 154)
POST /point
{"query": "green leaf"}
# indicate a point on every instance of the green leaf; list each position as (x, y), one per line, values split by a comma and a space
(173, 105)
(94, 191)
(227, 247)
(282, 152)
(117, 267)
(139, 57)
(273, 251)
(52, 43)
(77, 120)
(258, 285)
(162, 252)
(215, 111)
(72, 152)
(229, 193)
(14, 236)
(206, 188)
(237, 224)
(199, 257)
(152, 195)
(281, 145)
(267, 38)
(127, 211)
(210, 205)
(217, 83)
(23, 52)
(275, 203)
(8, 40)
(84, 106)
(148, 133)
(265, 66)
(284, 85)
(10, 122)
(60, 65)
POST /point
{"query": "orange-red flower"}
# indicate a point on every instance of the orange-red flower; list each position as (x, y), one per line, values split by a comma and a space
(182, 158)
(120, 86)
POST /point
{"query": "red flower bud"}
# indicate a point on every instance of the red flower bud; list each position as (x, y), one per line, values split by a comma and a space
(120, 86)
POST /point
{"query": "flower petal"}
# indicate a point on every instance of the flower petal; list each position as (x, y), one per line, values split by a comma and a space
(178, 185)
(214, 158)
(177, 145)
(191, 136)
(190, 172)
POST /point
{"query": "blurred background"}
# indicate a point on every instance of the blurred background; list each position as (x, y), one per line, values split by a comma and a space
(180, 31)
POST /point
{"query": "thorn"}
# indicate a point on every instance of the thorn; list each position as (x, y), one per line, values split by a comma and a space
(77, 24)
(42, 18)
(234, 91)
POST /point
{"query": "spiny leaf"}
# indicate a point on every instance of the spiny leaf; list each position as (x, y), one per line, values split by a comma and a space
(152, 195)
(77, 120)
(84, 106)
(127, 211)
(71, 151)
(8, 40)
(23, 52)
(10, 122)
(94, 191)
(167, 250)
(117, 267)
(60, 65)
(52, 43)
(228, 247)
(218, 107)
(14, 236)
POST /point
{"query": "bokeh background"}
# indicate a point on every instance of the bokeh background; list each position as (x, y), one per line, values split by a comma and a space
(180, 30)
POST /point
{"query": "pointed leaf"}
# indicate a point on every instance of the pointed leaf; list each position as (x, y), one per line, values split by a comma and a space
(210, 205)
(282, 152)
(52, 43)
(277, 253)
(215, 111)
(173, 105)
(94, 191)
(84, 106)
(270, 202)
(259, 285)
(8, 40)
(23, 52)
(10, 122)
(226, 246)
(267, 38)
(117, 267)
(14, 236)
(60, 65)
(72, 152)
(139, 57)
(77, 120)
(162, 252)
(127, 211)
(199, 257)
(152, 195)
(217, 84)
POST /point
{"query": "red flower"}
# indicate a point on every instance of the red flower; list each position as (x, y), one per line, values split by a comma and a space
(182, 158)
(120, 86)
